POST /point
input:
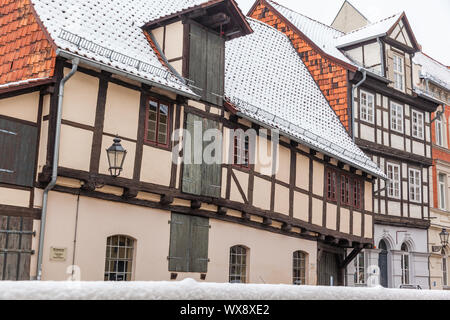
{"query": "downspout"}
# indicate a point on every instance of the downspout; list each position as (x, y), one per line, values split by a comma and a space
(52, 183)
(364, 72)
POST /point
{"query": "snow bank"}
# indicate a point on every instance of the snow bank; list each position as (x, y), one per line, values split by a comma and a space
(189, 289)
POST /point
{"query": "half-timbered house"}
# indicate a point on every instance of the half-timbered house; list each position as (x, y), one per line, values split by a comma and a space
(433, 78)
(366, 76)
(154, 76)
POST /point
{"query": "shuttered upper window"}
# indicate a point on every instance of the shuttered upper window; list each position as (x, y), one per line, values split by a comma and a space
(188, 250)
(331, 185)
(18, 152)
(158, 123)
(206, 64)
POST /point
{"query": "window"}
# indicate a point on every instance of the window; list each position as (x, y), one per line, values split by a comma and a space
(17, 141)
(417, 124)
(238, 264)
(299, 268)
(444, 268)
(415, 185)
(345, 190)
(357, 194)
(188, 251)
(396, 117)
(331, 185)
(119, 258)
(367, 107)
(399, 73)
(360, 276)
(393, 185)
(439, 133)
(405, 264)
(241, 147)
(442, 191)
(158, 123)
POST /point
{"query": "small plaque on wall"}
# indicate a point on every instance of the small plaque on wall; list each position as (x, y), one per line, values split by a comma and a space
(58, 254)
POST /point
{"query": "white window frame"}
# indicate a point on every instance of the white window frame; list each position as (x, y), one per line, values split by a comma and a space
(417, 124)
(405, 265)
(394, 183)
(397, 123)
(439, 132)
(367, 111)
(399, 72)
(442, 194)
(360, 271)
(415, 185)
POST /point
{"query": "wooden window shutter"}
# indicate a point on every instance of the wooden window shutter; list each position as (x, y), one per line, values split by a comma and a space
(197, 59)
(179, 243)
(211, 173)
(192, 173)
(199, 244)
(18, 145)
(215, 69)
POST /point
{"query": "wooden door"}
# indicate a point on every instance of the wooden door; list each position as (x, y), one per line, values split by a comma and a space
(15, 247)
(328, 271)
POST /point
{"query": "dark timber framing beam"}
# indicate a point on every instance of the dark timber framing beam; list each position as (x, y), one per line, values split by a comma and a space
(351, 256)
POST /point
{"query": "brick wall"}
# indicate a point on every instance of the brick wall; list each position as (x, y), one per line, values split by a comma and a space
(25, 52)
(442, 154)
(330, 77)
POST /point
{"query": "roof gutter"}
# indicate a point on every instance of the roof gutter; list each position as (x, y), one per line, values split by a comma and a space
(309, 145)
(104, 67)
(356, 86)
(52, 182)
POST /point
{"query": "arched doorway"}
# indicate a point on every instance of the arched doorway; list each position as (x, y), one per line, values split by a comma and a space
(383, 263)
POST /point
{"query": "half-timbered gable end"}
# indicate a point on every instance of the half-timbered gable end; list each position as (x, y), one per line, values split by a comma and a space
(174, 80)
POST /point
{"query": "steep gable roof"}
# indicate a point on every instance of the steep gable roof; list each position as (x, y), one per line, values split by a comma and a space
(271, 85)
(433, 69)
(349, 18)
(109, 32)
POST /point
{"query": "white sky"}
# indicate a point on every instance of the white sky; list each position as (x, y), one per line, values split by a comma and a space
(429, 19)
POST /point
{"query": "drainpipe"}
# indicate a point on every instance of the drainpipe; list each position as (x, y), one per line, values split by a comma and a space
(52, 183)
(364, 72)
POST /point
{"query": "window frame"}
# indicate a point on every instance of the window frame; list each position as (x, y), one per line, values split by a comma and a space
(398, 106)
(405, 264)
(417, 188)
(442, 196)
(346, 180)
(333, 184)
(439, 124)
(366, 106)
(243, 274)
(169, 105)
(360, 270)
(354, 186)
(130, 260)
(398, 182)
(399, 72)
(422, 124)
(299, 263)
(237, 156)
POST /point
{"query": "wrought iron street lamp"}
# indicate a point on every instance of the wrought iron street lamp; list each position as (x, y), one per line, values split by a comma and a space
(444, 238)
(116, 156)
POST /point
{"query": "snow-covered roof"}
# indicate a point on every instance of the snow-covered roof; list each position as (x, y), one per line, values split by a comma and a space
(109, 32)
(270, 84)
(324, 36)
(433, 70)
(371, 31)
(23, 82)
(189, 289)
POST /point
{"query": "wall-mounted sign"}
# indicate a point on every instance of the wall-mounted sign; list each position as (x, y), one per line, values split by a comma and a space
(58, 254)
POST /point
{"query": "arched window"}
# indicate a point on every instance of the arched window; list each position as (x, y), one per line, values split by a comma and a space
(119, 258)
(444, 268)
(238, 264)
(299, 268)
(405, 264)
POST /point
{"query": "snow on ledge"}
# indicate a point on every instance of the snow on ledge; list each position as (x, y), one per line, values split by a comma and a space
(189, 289)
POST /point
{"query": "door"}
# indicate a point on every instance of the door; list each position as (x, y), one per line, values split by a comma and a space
(15, 247)
(383, 264)
(328, 269)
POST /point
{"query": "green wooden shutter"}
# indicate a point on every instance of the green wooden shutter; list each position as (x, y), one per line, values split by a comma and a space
(179, 243)
(199, 244)
(215, 69)
(18, 152)
(191, 171)
(197, 59)
(211, 173)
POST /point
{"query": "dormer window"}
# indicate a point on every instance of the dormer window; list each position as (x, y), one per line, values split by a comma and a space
(399, 72)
